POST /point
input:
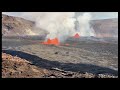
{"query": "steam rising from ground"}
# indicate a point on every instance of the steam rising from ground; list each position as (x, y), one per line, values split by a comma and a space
(84, 28)
(61, 24)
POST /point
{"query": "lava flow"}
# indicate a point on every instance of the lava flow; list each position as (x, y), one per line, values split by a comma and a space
(54, 41)
(76, 35)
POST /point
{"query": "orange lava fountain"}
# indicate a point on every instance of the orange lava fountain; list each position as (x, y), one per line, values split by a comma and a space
(54, 41)
(76, 35)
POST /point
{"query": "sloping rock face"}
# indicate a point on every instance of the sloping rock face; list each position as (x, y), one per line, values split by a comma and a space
(15, 67)
(105, 27)
(15, 26)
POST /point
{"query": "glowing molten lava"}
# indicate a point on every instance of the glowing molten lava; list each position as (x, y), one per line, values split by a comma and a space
(54, 41)
(76, 35)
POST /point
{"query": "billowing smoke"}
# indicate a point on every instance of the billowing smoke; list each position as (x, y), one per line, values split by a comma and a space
(58, 24)
(61, 24)
(83, 26)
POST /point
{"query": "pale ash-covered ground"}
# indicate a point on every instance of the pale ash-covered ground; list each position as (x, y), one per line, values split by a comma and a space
(72, 55)
(96, 58)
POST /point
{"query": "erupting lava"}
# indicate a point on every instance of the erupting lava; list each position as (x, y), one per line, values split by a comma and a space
(54, 41)
(76, 35)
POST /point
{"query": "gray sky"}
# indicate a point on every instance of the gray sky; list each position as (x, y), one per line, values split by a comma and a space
(95, 15)
(101, 15)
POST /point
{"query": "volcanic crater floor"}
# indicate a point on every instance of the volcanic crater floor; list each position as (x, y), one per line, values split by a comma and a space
(83, 60)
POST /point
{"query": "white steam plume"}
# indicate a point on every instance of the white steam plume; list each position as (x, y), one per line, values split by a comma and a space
(84, 28)
(61, 24)
(58, 24)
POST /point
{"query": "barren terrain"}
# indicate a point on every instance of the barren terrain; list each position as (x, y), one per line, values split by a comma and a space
(85, 57)
(24, 56)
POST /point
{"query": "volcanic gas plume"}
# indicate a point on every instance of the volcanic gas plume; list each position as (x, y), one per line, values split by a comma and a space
(61, 25)
(58, 24)
(83, 25)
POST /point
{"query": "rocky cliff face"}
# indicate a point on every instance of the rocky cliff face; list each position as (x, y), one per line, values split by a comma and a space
(105, 27)
(15, 26)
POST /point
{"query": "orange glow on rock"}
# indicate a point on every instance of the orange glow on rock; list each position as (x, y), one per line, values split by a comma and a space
(54, 41)
(76, 35)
